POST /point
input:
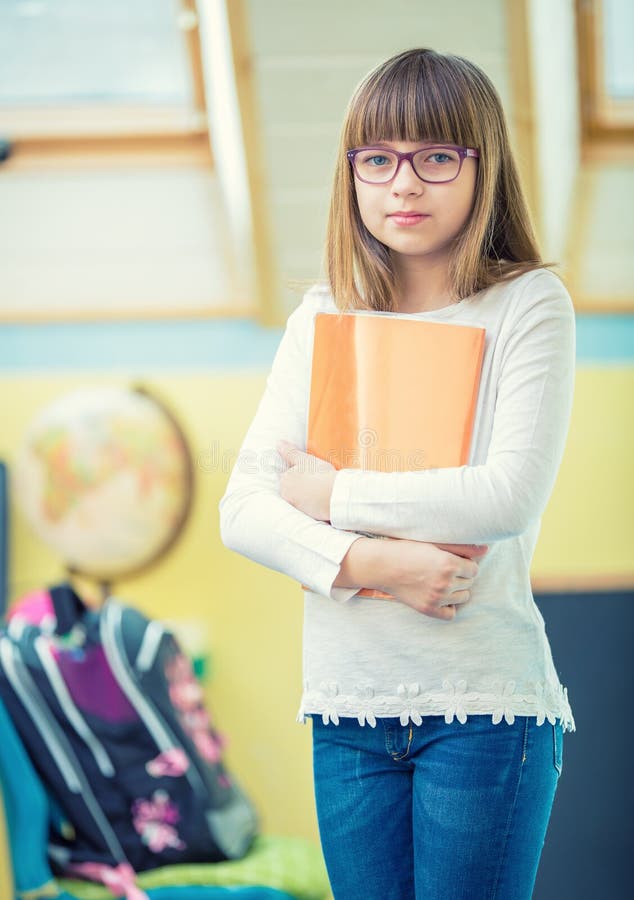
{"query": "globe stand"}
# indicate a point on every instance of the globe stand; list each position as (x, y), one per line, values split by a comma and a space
(92, 591)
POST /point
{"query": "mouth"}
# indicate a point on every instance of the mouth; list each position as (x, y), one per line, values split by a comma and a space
(403, 217)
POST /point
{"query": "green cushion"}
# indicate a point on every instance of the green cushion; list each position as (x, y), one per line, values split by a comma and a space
(286, 863)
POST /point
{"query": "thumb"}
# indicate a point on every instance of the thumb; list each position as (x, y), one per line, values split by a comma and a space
(290, 453)
(301, 459)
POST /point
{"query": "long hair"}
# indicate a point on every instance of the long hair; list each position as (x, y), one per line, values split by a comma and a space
(421, 95)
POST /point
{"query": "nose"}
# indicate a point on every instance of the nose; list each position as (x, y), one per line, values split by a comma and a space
(406, 181)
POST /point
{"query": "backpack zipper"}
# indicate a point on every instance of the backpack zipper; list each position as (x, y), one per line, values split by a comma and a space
(69, 708)
(110, 628)
(54, 738)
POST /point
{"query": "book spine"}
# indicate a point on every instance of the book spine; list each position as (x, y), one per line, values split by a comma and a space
(364, 592)
(374, 594)
(468, 432)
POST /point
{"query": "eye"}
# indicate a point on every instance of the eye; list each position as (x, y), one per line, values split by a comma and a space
(439, 158)
(435, 158)
(376, 159)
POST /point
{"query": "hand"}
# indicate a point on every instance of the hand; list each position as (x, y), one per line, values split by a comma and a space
(307, 483)
(434, 579)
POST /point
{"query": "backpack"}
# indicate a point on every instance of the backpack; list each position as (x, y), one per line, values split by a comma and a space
(112, 717)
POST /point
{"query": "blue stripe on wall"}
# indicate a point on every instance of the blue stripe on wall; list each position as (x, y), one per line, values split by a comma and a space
(220, 344)
(206, 344)
(605, 339)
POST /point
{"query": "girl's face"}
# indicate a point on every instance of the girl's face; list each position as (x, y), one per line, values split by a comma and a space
(414, 218)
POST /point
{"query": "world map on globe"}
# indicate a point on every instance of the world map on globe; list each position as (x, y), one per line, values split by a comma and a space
(104, 478)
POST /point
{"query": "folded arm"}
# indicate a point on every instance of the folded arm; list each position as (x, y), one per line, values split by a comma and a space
(254, 520)
(500, 498)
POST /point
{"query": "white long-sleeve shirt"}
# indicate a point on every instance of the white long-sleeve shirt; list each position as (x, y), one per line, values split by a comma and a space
(371, 658)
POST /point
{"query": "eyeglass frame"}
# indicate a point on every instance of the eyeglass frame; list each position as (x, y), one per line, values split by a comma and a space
(463, 152)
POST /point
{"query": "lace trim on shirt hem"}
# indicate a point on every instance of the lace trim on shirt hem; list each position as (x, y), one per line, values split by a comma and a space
(411, 703)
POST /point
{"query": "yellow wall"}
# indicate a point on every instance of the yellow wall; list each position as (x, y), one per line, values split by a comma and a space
(254, 615)
(587, 534)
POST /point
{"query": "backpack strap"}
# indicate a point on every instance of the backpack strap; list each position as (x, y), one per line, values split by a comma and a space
(68, 607)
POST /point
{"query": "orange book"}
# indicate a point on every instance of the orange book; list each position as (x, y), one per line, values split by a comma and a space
(390, 393)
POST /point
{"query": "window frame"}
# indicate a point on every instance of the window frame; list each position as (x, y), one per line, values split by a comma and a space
(113, 126)
(603, 119)
(198, 139)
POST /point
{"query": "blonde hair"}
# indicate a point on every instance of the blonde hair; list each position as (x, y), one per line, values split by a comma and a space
(423, 95)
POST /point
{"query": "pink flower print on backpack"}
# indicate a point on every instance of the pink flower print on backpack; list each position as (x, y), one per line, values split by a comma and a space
(187, 697)
(172, 762)
(185, 691)
(154, 821)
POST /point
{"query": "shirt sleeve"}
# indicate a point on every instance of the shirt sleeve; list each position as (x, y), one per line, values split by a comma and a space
(254, 520)
(500, 498)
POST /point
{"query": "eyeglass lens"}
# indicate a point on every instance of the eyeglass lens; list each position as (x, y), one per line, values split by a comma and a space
(430, 164)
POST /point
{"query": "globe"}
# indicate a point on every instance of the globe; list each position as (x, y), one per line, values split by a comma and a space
(104, 478)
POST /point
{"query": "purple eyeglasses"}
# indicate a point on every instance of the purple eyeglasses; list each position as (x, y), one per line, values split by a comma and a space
(437, 165)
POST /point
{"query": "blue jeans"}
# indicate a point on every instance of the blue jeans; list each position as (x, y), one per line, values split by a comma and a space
(434, 811)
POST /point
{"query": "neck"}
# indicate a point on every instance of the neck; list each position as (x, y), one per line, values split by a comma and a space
(423, 284)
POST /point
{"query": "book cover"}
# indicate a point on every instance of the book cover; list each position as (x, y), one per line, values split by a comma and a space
(392, 393)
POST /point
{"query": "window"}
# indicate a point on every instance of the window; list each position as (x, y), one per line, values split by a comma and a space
(606, 64)
(76, 67)
(112, 207)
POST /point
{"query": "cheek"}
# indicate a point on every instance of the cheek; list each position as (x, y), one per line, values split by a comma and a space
(457, 213)
(368, 208)
(467, 201)
(463, 213)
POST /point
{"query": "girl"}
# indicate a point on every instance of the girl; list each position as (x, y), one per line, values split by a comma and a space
(437, 717)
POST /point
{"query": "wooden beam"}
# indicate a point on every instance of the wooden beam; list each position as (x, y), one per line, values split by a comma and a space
(523, 114)
(267, 278)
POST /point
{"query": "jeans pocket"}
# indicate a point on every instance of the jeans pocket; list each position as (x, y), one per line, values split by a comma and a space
(558, 747)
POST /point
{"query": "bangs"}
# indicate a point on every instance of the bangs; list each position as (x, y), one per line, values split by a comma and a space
(413, 98)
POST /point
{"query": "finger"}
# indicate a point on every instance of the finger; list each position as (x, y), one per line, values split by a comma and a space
(294, 457)
(460, 597)
(442, 612)
(301, 460)
(287, 450)
(467, 569)
(460, 583)
(448, 611)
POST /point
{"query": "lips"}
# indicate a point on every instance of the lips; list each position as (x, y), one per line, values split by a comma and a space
(407, 217)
